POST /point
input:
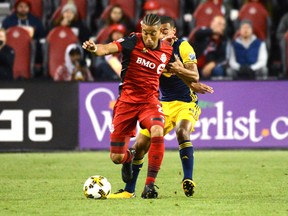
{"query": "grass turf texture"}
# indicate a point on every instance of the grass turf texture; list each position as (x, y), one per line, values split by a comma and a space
(228, 183)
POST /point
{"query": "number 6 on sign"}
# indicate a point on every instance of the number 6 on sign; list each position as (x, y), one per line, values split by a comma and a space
(35, 124)
(14, 121)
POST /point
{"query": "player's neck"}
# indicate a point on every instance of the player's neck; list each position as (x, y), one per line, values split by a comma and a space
(156, 46)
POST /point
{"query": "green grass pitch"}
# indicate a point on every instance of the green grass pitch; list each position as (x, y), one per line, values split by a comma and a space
(228, 183)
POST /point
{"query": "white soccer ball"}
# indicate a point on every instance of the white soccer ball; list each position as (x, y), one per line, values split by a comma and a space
(97, 187)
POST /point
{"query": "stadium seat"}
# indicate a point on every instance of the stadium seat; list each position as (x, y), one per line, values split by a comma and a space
(172, 8)
(37, 8)
(57, 41)
(204, 14)
(20, 40)
(258, 15)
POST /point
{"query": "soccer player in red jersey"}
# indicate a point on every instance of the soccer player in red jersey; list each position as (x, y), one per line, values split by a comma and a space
(144, 58)
(179, 103)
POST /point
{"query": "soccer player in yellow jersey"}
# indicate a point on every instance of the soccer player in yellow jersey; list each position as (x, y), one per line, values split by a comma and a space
(179, 103)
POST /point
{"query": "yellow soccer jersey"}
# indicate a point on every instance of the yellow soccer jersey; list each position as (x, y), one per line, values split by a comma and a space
(185, 52)
(173, 88)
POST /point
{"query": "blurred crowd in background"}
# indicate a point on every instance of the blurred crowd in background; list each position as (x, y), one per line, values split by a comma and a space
(233, 40)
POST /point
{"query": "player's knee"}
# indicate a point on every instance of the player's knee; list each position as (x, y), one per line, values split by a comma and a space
(182, 134)
(116, 158)
(156, 131)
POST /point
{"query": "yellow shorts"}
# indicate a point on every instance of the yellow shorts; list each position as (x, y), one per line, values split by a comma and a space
(175, 111)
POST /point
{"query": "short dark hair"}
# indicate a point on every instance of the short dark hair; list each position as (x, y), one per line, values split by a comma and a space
(151, 20)
(167, 19)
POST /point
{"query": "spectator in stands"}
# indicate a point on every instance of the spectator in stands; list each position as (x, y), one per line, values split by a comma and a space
(21, 16)
(116, 15)
(7, 56)
(149, 7)
(69, 18)
(210, 47)
(248, 56)
(226, 8)
(110, 67)
(74, 67)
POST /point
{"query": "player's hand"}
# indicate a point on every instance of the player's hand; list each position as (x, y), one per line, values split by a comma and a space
(201, 88)
(170, 39)
(89, 46)
(175, 66)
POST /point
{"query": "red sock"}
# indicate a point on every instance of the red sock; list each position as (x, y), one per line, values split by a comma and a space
(155, 156)
(127, 157)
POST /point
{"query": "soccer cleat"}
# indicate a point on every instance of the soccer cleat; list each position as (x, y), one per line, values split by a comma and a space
(188, 186)
(122, 194)
(150, 192)
(127, 172)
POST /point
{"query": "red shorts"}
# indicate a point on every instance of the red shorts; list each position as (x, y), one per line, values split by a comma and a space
(125, 116)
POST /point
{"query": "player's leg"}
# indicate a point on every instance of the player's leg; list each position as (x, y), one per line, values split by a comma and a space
(155, 157)
(186, 153)
(120, 154)
(124, 126)
(183, 129)
(153, 120)
(141, 146)
(155, 153)
(187, 117)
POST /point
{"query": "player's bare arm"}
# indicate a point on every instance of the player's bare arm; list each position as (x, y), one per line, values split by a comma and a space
(188, 71)
(190, 76)
(201, 88)
(197, 87)
(100, 49)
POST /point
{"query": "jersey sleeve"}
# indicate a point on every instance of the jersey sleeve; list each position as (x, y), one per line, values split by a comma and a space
(172, 58)
(126, 44)
(187, 53)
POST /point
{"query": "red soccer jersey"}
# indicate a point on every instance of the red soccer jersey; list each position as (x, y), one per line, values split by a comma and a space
(141, 69)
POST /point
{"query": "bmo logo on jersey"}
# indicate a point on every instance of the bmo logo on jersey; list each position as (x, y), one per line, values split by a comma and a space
(150, 64)
(13, 120)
